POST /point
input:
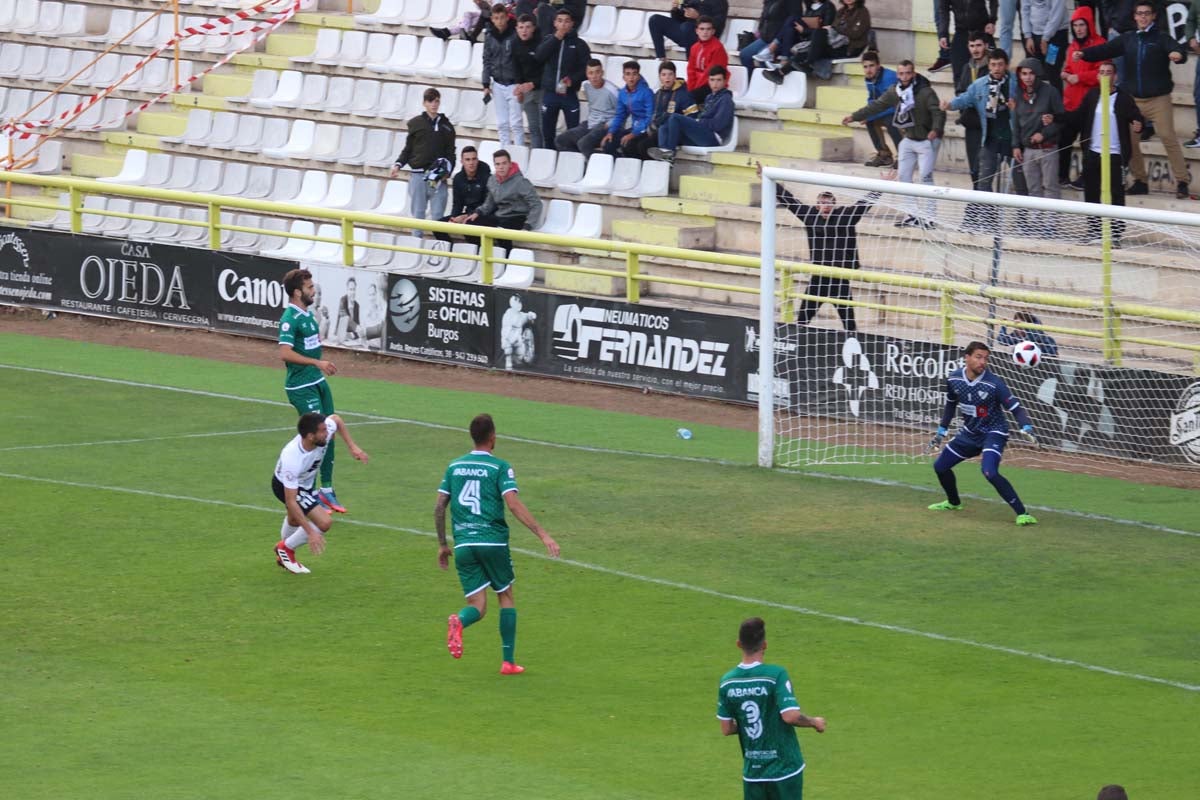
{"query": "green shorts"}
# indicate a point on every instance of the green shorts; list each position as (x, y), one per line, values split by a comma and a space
(317, 397)
(788, 789)
(481, 566)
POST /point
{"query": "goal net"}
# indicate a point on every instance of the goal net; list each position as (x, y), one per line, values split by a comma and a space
(871, 288)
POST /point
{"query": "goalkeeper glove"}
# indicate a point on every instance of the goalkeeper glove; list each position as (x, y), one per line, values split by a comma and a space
(1027, 434)
(936, 441)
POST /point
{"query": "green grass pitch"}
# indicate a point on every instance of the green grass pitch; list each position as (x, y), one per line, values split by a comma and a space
(152, 649)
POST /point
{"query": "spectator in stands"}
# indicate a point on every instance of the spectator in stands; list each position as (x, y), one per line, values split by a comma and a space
(1004, 26)
(1149, 51)
(707, 52)
(672, 97)
(1123, 118)
(680, 26)
(1017, 335)
(770, 23)
(635, 106)
(968, 16)
(564, 57)
(512, 202)
(1046, 26)
(921, 121)
(1118, 19)
(802, 39)
(429, 151)
(602, 105)
(1037, 108)
(1112, 792)
(469, 188)
(853, 21)
(500, 77)
(470, 25)
(1192, 37)
(846, 37)
(879, 79)
(544, 11)
(528, 90)
(711, 129)
(1078, 78)
(832, 232)
(968, 118)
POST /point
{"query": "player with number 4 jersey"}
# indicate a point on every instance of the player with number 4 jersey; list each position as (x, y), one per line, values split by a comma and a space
(980, 397)
(476, 489)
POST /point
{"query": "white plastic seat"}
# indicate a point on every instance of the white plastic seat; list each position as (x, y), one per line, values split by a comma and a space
(262, 87)
(379, 47)
(589, 221)
(92, 115)
(160, 76)
(92, 222)
(625, 176)
(596, 178)
(49, 158)
(12, 57)
(241, 241)
(240, 36)
(635, 38)
(106, 71)
(199, 125)
(235, 178)
(450, 101)
(350, 145)
(472, 112)
(516, 276)
(133, 170)
(457, 61)
(404, 53)
(739, 82)
(158, 170)
(166, 231)
(365, 101)
(629, 25)
(446, 12)
(248, 138)
(463, 269)
(58, 65)
(376, 257)
(196, 233)
(183, 172)
(16, 102)
(569, 169)
(223, 133)
(339, 193)
(559, 216)
(541, 166)
(760, 90)
(125, 67)
(388, 158)
(389, 12)
(142, 228)
(325, 142)
(727, 146)
(405, 262)
(192, 42)
(366, 194)
(275, 132)
(119, 23)
(339, 95)
(295, 249)
(332, 252)
(393, 99)
(600, 23)
(208, 176)
(259, 182)
(216, 40)
(486, 150)
(518, 154)
(416, 12)
(377, 145)
(313, 91)
(74, 20)
(287, 93)
(433, 264)
(792, 94)
(734, 27)
(654, 181)
(325, 47)
(270, 241)
(49, 17)
(300, 141)
(148, 27)
(81, 66)
(313, 189)
(429, 58)
(394, 201)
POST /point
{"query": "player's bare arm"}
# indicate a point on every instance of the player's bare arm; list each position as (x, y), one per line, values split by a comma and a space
(296, 516)
(522, 513)
(344, 432)
(728, 727)
(290, 356)
(439, 524)
(796, 719)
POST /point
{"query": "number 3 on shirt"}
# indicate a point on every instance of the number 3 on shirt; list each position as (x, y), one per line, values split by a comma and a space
(754, 726)
(469, 496)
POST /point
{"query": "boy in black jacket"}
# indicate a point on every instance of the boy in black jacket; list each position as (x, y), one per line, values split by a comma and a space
(564, 58)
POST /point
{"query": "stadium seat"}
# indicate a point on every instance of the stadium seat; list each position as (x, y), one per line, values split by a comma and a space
(259, 182)
(394, 202)
(416, 12)
(148, 26)
(313, 92)
(462, 269)
(81, 67)
(515, 276)
(389, 12)
(351, 145)
(294, 249)
(725, 147)
(518, 154)
(366, 194)
(223, 133)
(472, 112)
(588, 222)
(313, 189)
(760, 90)
(559, 216)
(241, 241)
(429, 57)
(365, 101)
(613, 68)
(599, 24)
(627, 172)
(326, 142)
(287, 92)
(389, 158)
(120, 22)
(165, 230)
(160, 76)
(270, 241)
(449, 105)
(133, 170)
(338, 96)
(332, 252)
(393, 100)
(404, 53)
(339, 193)
(217, 40)
(248, 138)
(630, 24)
(445, 12)
(376, 257)
(325, 48)
(74, 21)
(183, 172)
(158, 170)
(199, 125)
(286, 186)
(379, 47)
(116, 226)
(405, 262)
(486, 150)
(791, 94)
(12, 59)
(93, 222)
(653, 182)
(596, 178)
(569, 168)
(58, 65)
(92, 115)
(300, 141)
(142, 228)
(105, 72)
(738, 82)
(262, 87)
(235, 180)
(541, 166)
(457, 62)
(194, 234)
(733, 27)
(49, 18)
(128, 67)
(377, 144)
(208, 176)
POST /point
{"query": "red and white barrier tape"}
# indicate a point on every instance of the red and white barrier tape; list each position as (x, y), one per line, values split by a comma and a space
(23, 130)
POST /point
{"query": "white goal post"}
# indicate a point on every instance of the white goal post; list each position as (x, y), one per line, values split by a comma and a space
(1111, 293)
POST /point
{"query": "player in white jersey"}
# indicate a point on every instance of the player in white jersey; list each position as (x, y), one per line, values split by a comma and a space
(294, 484)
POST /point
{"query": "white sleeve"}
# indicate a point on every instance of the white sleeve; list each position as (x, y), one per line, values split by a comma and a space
(331, 426)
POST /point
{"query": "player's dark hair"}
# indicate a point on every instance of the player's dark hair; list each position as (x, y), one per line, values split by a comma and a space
(973, 346)
(501, 154)
(595, 62)
(871, 56)
(482, 428)
(633, 65)
(998, 54)
(976, 36)
(1113, 791)
(669, 66)
(432, 94)
(310, 423)
(564, 11)
(294, 281)
(717, 69)
(469, 149)
(705, 19)
(752, 634)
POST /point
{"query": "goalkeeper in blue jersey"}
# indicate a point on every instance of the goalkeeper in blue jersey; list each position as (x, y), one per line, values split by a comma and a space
(981, 398)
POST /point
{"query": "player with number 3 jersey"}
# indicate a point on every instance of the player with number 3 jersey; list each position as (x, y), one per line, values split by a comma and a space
(476, 489)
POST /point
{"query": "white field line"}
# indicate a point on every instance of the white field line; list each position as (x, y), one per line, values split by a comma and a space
(995, 648)
(1150, 526)
(208, 435)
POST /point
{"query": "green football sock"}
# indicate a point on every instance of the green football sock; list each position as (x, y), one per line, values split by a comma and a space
(508, 632)
(469, 616)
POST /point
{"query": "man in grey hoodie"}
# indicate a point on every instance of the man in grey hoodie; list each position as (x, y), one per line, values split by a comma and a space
(602, 106)
(512, 201)
(1037, 107)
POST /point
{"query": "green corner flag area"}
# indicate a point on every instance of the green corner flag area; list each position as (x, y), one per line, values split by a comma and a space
(153, 649)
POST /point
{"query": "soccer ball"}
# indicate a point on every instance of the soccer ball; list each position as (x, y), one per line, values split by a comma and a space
(1026, 354)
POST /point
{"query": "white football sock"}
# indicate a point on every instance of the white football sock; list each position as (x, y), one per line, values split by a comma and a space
(297, 538)
(287, 529)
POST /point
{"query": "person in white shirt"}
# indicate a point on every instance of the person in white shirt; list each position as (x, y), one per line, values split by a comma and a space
(293, 484)
(1124, 117)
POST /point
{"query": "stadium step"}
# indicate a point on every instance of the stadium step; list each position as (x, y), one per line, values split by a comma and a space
(824, 117)
(844, 99)
(87, 165)
(318, 20)
(116, 141)
(228, 84)
(831, 146)
(262, 60)
(718, 190)
(291, 44)
(664, 232)
(162, 123)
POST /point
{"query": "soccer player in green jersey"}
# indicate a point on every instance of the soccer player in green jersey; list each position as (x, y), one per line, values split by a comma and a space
(756, 701)
(305, 385)
(476, 488)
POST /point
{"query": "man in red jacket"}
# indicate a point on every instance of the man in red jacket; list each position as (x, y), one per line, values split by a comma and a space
(1078, 77)
(706, 53)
